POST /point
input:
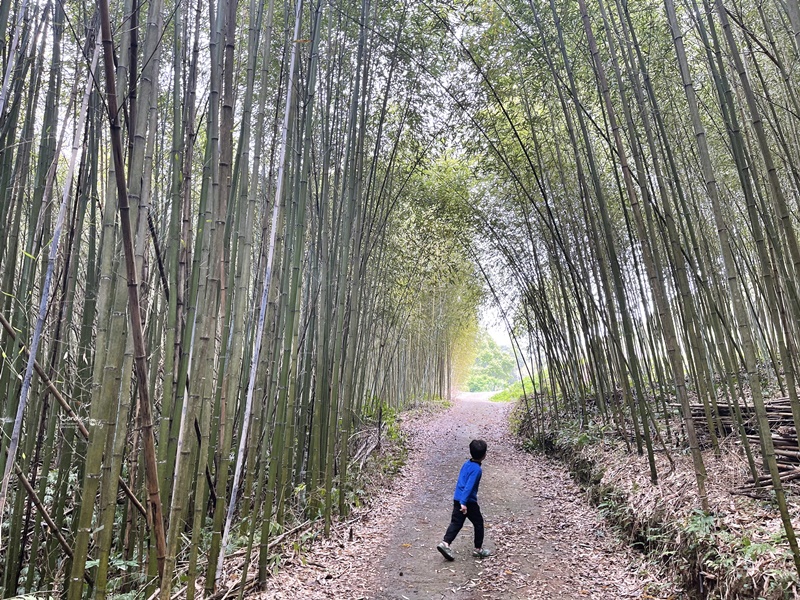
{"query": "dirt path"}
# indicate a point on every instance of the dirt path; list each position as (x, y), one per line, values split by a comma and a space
(546, 542)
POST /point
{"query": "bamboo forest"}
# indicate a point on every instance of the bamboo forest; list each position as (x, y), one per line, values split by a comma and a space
(248, 247)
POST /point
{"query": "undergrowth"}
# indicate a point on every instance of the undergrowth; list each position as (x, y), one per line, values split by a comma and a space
(706, 557)
(513, 392)
(380, 452)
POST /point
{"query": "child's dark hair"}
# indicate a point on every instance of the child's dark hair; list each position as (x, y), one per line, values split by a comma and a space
(477, 449)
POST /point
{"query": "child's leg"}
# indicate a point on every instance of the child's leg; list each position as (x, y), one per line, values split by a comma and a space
(474, 515)
(456, 523)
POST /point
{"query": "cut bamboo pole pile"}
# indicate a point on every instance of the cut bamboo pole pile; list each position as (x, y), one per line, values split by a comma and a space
(784, 436)
(779, 413)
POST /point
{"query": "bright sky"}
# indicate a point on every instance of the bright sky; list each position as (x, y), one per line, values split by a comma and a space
(492, 321)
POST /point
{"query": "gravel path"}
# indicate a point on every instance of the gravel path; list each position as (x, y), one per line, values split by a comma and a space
(546, 541)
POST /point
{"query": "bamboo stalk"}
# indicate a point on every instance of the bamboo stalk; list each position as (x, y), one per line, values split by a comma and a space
(151, 468)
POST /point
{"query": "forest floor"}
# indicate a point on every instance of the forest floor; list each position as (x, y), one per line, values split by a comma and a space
(546, 541)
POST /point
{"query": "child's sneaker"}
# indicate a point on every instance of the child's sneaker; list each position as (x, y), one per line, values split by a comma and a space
(446, 551)
(482, 553)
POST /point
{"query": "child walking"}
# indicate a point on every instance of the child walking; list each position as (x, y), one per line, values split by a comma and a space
(465, 503)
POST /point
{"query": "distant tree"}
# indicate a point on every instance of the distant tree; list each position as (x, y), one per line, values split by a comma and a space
(494, 367)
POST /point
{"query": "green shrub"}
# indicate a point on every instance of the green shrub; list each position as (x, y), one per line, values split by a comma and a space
(513, 392)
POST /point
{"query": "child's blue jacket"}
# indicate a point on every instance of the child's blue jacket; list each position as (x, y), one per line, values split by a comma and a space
(468, 480)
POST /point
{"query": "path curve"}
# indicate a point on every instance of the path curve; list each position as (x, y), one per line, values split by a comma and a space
(547, 543)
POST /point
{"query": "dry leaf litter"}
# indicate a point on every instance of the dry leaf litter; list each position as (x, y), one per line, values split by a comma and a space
(748, 552)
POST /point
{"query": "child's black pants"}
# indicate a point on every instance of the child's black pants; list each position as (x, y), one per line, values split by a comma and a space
(457, 522)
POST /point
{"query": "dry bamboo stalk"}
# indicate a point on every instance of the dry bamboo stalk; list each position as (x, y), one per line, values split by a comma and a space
(68, 409)
(40, 507)
(140, 353)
